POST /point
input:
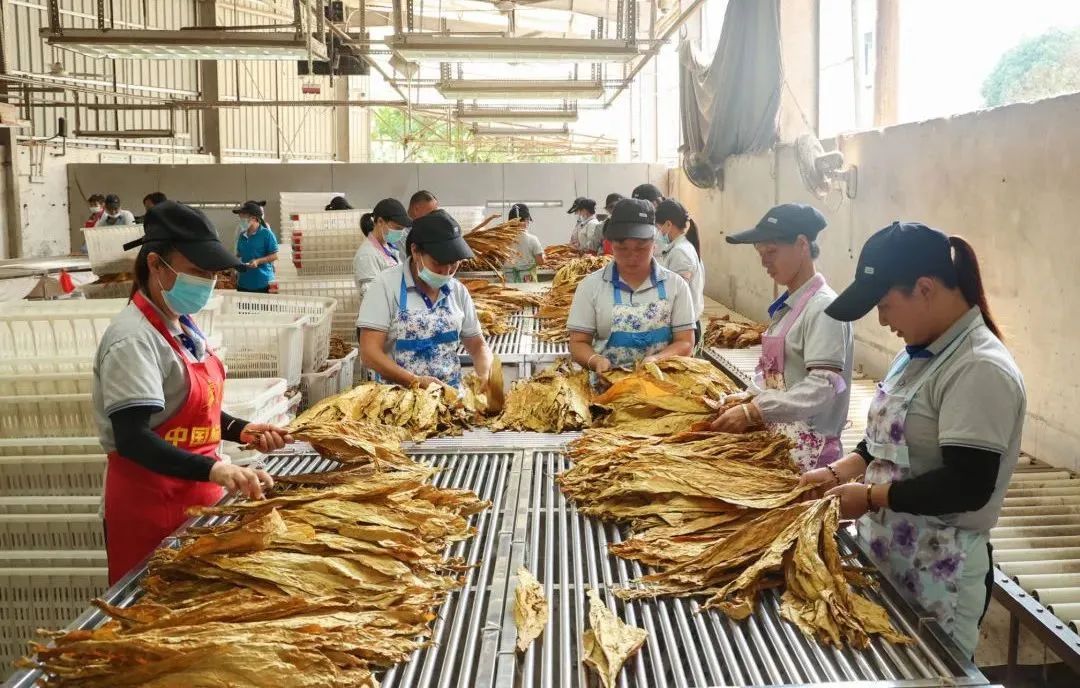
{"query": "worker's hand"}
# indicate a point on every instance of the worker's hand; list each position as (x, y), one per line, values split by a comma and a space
(425, 381)
(249, 482)
(853, 501)
(266, 438)
(253, 264)
(821, 478)
(736, 420)
(650, 359)
(600, 364)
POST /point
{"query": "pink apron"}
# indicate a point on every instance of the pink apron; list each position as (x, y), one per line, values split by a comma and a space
(812, 449)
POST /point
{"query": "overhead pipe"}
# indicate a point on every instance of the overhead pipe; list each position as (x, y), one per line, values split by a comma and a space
(654, 49)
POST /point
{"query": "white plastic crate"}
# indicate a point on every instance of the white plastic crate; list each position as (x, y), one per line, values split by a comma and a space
(43, 597)
(69, 328)
(63, 365)
(263, 345)
(326, 240)
(250, 399)
(337, 265)
(45, 384)
(56, 474)
(50, 446)
(54, 415)
(49, 504)
(51, 531)
(318, 309)
(327, 220)
(105, 246)
(317, 386)
(348, 370)
(279, 412)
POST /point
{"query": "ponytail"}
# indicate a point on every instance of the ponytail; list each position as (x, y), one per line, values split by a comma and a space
(367, 223)
(693, 237)
(969, 280)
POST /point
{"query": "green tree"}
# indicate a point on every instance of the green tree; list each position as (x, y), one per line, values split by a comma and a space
(1039, 67)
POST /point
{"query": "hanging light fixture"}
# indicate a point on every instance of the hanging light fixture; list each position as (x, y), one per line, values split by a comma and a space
(419, 47)
(499, 114)
(191, 44)
(564, 89)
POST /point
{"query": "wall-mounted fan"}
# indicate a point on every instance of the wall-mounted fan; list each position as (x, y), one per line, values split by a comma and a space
(822, 172)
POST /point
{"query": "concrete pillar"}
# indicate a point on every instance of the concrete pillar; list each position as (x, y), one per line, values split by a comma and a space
(799, 41)
(887, 69)
(206, 15)
(342, 129)
(11, 215)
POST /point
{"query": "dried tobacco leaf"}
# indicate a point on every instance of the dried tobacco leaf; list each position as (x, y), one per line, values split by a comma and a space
(555, 303)
(554, 400)
(493, 246)
(609, 642)
(726, 333)
(531, 610)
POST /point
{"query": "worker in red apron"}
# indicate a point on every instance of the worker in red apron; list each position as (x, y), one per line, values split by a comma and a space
(157, 393)
(802, 384)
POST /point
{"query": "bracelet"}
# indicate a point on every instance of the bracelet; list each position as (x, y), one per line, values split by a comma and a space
(870, 497)
(835, 476)
(588, 361)
(746, 412)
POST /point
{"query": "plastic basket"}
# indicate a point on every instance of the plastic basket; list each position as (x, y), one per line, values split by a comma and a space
(340, 265)
(74, 327)
(45, 384)
(330, 240)
(327, 220)
(318, 309)
(49, 504)
(251, 399)
(279, 411)
(264, 345)
(43, 597)
(34, 475)
(348, 370)
(105, 246)
(75, 366)
(317, 386)
(50, 446)
(109, 290)
(55, 415)
(51, 531)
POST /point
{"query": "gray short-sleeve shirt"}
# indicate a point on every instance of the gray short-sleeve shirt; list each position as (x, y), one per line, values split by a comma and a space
(975, 399)
(681, 258)
(817, 341)
(594, 301)
(136, 366)
(383, 297)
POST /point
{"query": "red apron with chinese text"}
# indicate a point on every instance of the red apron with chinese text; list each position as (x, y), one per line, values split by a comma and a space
(143, 507)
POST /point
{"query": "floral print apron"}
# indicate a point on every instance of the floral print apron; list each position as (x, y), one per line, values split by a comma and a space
(922, 554)
(426, 342)
(812, 448)
(637, 330)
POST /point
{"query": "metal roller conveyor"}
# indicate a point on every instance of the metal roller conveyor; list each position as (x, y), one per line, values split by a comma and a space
(1045, 582)
(1020, 568)
(1035, 543)
(1055, 596)
(1007, 532)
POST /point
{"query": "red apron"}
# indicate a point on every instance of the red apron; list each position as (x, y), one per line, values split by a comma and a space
(143, 507)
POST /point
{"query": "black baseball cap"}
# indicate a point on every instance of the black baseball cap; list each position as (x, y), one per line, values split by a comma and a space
(648, 192)
(391, 209)
(612, 199)
(252, 208)
(783, 223)
(895, 256)
(582, 203)
(519, 211)
(631, 218)
(339, 203)
(439, 235)
(113, 200)
(190, 232)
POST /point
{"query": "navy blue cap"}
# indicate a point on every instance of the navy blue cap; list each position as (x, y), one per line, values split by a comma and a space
(647, 192)
(783, 223)
(519, 211)
(582, 203)
(439, 235)
(190, 232)
(252, 208)
(631, 218)
(896, 256)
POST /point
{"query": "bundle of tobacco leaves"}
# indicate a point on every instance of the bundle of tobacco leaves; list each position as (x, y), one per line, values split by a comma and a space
(662, 398)
(493, 246)
(421, 413)
(330, 578)
(554, 400)
(495, 303)
(609, 642)
(339, 348)
(555, 303)
(559, 255)
(793, 547)
(349, 441)
(726, 333)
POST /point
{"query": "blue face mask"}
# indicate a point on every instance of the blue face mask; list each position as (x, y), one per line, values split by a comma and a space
(189, 294)
(663, 239)
(393, 236)
(433, 279)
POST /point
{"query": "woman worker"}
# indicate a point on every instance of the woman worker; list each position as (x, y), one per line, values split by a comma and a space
(633, 309)
(803, 380)
(530, 254)
(257, 247)
(157, 393)
(680, 252)
(943, 433)
(382, 228)
(414, 315)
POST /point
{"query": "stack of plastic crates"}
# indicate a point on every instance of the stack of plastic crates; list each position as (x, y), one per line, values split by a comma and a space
(52, 465)
(257, 400)
(324, 243)
(318, 310)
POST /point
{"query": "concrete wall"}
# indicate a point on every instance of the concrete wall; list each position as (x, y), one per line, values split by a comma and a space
(364, 184)
(1005, 179)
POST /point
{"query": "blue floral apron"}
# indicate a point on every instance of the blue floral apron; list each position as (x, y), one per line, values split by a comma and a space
(426, 342)
(942, 566)
(637, 330)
